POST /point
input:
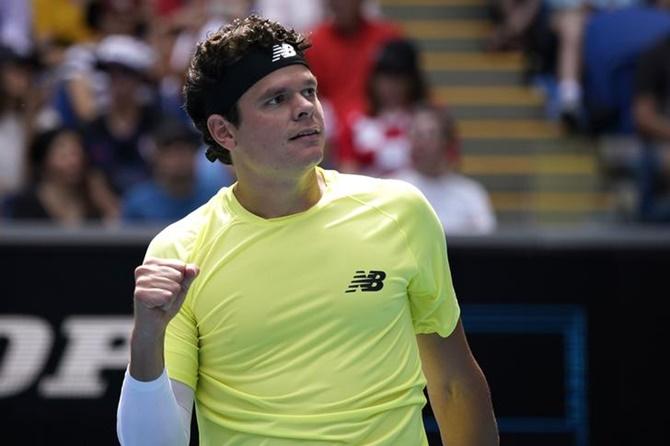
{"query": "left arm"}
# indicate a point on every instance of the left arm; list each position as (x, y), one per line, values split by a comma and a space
(458, 392)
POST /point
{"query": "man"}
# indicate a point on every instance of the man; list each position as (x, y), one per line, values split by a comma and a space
(116, 138)
(175, 189)
(294, 296)
(462, 204)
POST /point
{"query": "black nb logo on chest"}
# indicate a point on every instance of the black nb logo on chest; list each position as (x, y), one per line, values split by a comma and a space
(370, 281)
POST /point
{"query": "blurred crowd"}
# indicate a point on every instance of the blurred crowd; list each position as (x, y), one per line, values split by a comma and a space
(605, 65)
(92, 127)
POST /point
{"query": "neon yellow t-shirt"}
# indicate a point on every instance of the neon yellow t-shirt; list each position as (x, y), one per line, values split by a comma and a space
(301, 329)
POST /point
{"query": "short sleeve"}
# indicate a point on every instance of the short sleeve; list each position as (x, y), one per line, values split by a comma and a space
(181, 338)
(181, 348)
(432, 298)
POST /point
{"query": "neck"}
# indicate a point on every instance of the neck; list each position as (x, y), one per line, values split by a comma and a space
(271, 198)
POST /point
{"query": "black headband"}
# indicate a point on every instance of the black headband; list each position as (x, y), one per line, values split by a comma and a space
(257, 63)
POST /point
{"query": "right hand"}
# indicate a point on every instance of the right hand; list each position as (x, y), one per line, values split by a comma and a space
(161, 286)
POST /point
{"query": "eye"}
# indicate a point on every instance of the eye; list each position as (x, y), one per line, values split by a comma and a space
(309, 92)
(276, 100)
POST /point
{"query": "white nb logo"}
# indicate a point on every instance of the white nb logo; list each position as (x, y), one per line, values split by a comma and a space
(282, 51)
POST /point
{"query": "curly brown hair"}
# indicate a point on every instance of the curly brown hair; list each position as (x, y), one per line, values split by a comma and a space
(210, 64)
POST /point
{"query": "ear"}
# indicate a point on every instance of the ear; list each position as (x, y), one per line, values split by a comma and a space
(222, 131)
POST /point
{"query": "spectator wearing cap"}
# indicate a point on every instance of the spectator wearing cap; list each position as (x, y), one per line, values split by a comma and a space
(117, 140)
(462, 204)
(79, 87)
(19, 100)
(375, 143)
(174, 189)
(60, 189)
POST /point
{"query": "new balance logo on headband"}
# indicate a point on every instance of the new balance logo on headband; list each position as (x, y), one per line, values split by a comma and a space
(282, 51)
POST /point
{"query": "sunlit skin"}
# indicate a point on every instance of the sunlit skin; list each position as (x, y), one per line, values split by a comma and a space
(271, 164)
(273, 111)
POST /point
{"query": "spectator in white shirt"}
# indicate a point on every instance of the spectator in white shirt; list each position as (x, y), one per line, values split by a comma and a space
(461, 203)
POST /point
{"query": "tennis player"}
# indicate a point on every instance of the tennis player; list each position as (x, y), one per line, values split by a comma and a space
(300, 306)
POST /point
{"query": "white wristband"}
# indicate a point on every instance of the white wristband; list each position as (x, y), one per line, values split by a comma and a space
(148, 413)
(146, 386)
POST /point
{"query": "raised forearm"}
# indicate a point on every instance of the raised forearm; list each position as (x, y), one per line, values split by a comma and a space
(146, 352)
(149, 412)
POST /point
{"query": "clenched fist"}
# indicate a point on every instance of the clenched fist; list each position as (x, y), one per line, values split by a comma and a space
(160, 288)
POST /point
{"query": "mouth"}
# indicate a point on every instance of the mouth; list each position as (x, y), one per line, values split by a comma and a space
(305, 133)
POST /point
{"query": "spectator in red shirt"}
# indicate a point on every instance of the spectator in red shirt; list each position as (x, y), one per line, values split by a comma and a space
(343, 52)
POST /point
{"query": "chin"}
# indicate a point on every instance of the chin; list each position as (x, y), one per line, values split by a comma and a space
(317, 156)
(312, 152)
(304, 161)
(312, 161)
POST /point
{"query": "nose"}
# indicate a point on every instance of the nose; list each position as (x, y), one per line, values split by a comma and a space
(304, 108)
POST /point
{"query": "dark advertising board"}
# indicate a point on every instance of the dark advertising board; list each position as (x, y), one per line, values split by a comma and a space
(566, 329)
